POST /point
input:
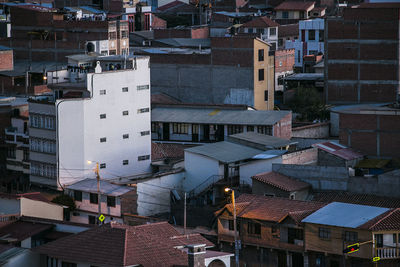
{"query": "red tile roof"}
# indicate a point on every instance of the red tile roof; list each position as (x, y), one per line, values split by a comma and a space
(18, 231)
(160, 151)
(339, 150)
(353, 198)
(280, 181)
(387, 221)
(122, 245)
(298, 216)
(273, 209)
(261, 22)
(161, 98)
(288, 5)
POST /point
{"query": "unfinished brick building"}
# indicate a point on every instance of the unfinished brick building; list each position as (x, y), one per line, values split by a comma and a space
(45, 34)
(362, 55)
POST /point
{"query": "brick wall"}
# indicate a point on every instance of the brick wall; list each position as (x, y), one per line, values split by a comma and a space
(158, 23)
(305, 156)
(316, 130)
(284, 60)
(283, 129)
(372, 134)
(6, 60)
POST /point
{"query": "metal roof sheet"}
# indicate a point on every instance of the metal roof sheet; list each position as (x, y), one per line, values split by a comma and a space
(270, 154)
(267, 140)
(106, 188)
(216, 116)
(344, 215)
(225, 152)
(339, 150)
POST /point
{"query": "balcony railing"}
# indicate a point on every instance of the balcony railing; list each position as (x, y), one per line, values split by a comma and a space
(387, 253)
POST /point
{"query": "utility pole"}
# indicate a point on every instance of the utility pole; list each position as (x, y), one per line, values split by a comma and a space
(98, 190)
(184, 217)
(235, 230)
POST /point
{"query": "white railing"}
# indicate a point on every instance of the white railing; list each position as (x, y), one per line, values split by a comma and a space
(387, 253)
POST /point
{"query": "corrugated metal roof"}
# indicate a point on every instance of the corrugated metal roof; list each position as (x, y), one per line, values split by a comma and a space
(262, 139)
(344, 215)
(216, 116)
(225, 152)
(270, 154)
(339, 150)
(106, 188)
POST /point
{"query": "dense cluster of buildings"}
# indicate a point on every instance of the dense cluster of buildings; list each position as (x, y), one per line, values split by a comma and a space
(177, 133)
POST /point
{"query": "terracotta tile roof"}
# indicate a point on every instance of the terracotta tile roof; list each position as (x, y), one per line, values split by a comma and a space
(280, 181)
(273, 209)
(18, 231)
(261, 22)
(298, 216)
(288, 30)
(387, 221)
(339, 150)
(161, 151)
(122, 245)
(353, 198)
(289, 5)
(177, 5)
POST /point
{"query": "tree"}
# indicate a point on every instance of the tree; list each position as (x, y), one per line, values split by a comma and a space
(65, 200)
(308, 103)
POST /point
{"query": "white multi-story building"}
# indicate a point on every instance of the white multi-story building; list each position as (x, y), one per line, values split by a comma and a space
(310, 41)
(101, 116)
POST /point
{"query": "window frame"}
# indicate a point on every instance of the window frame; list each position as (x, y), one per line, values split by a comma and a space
(111, 200)
(93, 198)
(103, 116)
(261, 54)
(125, 89)
(79, 194)
(261, 75)
(103, 139)
(324, 233)
(125, 162)
(103, 92)
(125, 113)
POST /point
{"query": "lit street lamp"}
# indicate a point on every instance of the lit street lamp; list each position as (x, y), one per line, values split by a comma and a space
(234, 226)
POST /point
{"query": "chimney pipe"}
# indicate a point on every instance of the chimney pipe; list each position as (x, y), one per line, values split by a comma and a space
(196, 255)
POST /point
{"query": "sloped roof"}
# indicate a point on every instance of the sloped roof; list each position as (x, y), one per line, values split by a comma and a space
(217, 116)
(289, 5)
(90, 185)
(261, 22)
(18, 231)
(176, 6)
(263, 139)
(362, 199)
(339, 150)
(281, 181)
(160, 151)
(122, 245)
(161, 98)
(225, 152)
(33, 196)
(344, 215)
(273, 209)
(386, 222)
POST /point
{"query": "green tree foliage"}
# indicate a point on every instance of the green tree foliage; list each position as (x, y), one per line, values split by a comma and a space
(65, 200)
(308, 103)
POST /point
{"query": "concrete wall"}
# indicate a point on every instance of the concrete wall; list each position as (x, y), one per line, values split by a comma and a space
(198, 169)
(204, 83)
(41, 209)
(384, 185)
(320, 177)
(154, 195)
(9, 206)
(306, 156)
(81, 127)
(318, 130)
(249, 169)
(25, 258)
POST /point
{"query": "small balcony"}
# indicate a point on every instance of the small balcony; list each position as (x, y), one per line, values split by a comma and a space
(387, 253)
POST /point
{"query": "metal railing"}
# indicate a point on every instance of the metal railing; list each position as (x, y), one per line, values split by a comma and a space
(206, 184)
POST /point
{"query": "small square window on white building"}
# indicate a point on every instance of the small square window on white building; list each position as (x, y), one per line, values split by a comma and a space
(145, 133)
(103, 139)
(145, 157)
(125, 162)
(125, 113)
(102, 165)
(102, 92)
(125, 89)
(143, 110)
(103, 116)
(125, 136)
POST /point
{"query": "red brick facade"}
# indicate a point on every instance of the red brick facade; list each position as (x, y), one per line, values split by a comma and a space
(6, 60)
(361, 60)
(284, 60)
(283, 128)
(376, 133)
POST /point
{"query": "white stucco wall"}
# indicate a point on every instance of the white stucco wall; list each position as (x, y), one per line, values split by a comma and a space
(41, 209)
(154, 195)
(80, 126)
(254, 167)
(198, 169)
(9, 206)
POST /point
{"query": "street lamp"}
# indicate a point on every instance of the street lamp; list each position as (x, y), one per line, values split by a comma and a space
(96, 170)
(234, 226)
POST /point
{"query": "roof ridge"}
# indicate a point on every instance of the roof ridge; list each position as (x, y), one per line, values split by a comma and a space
(389, 212)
